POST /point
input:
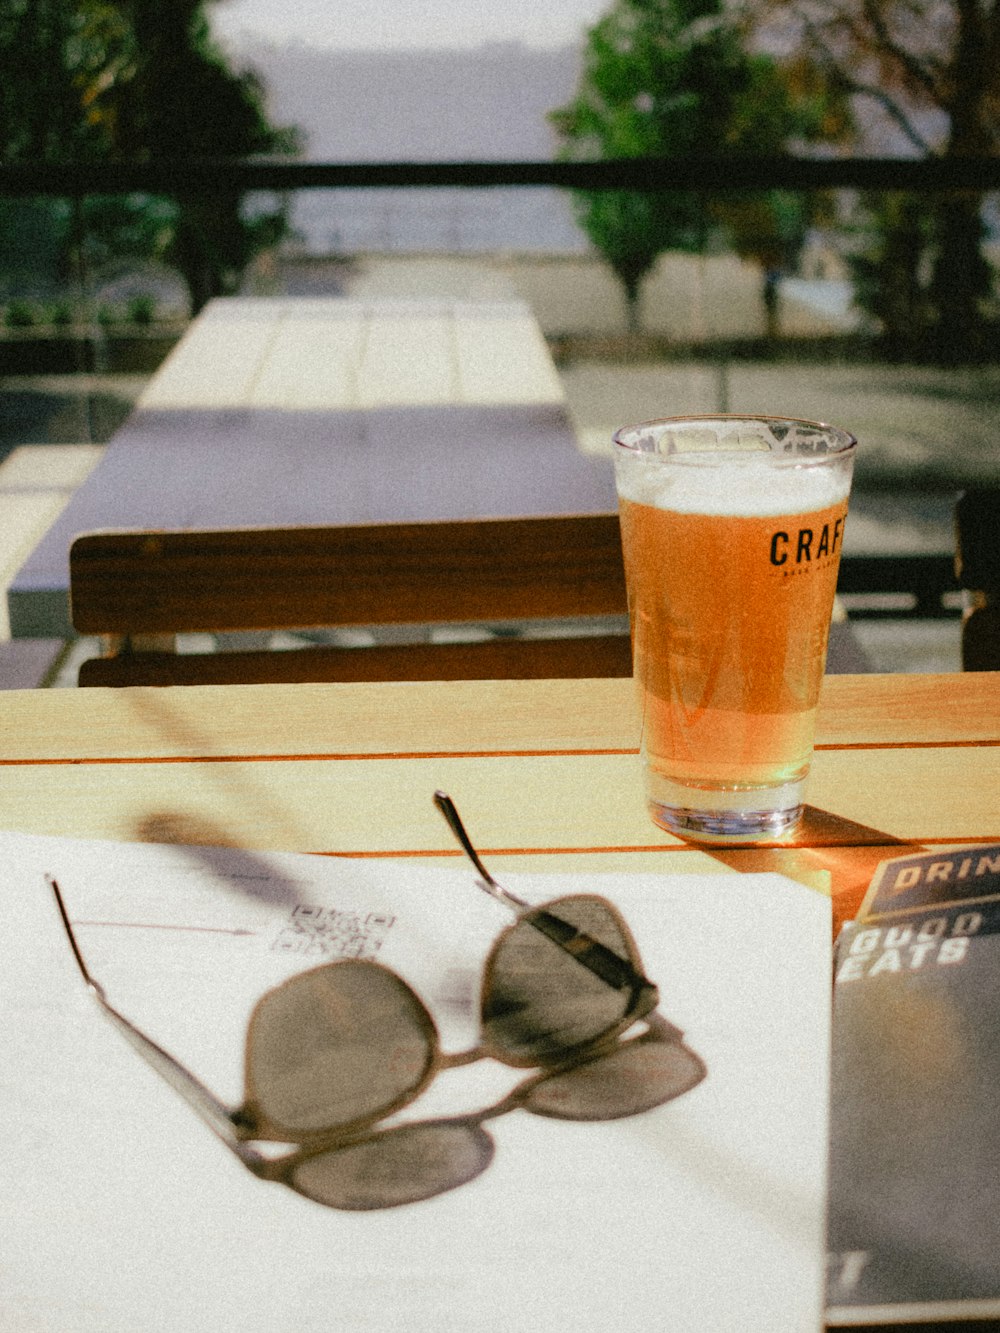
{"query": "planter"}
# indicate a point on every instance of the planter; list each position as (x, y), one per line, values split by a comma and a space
(37, 352)
(120, 349)
(137, 351)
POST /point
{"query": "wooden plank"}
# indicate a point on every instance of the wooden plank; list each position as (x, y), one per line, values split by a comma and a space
(939, 793)
(454, 717)
(156, 583)
(525, 804)
(218, 360)
(511, 569)
(408, 357)
(314, 360)
(901, 709)
(547, 772)
(246, 424)
(569, 657)
(503, 358)
(188, 469)
(319, 720)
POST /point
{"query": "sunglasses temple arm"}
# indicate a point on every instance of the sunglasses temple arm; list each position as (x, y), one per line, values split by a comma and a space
(596, 957)
(216, 1115)
(486, 881)
(219, 1118)
(78, 956)
(590, 953)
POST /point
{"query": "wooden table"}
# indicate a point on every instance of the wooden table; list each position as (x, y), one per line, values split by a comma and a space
(546, 772)
(325, 411)
(547, 777)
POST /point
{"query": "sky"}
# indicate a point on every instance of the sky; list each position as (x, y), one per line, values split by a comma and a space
(360, 24)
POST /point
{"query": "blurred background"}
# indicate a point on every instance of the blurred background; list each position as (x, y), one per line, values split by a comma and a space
(805, 221)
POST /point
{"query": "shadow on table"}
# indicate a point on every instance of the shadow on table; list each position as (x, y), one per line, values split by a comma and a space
(848, 851)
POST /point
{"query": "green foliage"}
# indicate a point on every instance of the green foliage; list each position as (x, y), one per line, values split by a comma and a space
(672, 78)
(908, 263)
(21, 315)
(139, 80)
(638, 97)
(34, 235)
(921, 269)
(141, 309)
(173, 94)
(44, 63)
(132, 226)
(888, 268)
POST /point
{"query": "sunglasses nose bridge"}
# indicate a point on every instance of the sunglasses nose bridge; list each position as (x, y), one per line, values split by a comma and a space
(456, 1059)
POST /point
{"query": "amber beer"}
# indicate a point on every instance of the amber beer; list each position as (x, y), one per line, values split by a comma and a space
(732, 538)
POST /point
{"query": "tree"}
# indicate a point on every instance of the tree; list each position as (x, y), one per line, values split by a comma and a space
(673, 78)
(933, 68)
(140, 80)
(43, 59)
(787, 104)
(174, 96)
(887, 270)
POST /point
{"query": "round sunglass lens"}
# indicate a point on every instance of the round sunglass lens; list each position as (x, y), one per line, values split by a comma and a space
(396, 1167)
(633, 1077)
(336, 1046)
(540, 998)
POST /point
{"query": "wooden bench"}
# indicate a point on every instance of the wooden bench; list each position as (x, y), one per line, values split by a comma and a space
(139, 589)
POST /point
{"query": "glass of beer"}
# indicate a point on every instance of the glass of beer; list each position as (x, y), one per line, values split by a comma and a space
(732, 529)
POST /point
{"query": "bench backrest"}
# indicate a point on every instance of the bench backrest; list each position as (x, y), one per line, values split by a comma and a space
(130, 587)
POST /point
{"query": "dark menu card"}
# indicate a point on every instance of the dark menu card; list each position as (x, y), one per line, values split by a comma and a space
(914, 1211)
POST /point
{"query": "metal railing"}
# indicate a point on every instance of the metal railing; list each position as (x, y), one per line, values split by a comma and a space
(899, 586)
(917, 586)
(73, 179)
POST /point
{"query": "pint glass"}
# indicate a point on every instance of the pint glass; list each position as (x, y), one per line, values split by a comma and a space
(732, 529)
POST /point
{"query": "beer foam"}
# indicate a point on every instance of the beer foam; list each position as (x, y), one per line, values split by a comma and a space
(754, 486)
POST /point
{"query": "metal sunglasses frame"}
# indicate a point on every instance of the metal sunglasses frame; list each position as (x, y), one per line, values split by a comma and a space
(239, 1128)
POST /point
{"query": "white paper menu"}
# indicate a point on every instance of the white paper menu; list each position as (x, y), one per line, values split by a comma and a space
(120, 1211)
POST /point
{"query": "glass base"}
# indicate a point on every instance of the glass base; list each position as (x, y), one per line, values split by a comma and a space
(725, 815)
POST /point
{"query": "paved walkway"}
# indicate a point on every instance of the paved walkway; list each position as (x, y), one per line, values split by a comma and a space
(919, 428)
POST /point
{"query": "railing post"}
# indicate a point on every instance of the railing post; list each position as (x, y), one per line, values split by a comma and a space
(977, 565)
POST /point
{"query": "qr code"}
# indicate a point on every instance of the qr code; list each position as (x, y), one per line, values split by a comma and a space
(328, 932)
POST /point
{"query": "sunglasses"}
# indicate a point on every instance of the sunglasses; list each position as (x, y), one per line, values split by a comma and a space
(333, 1051)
